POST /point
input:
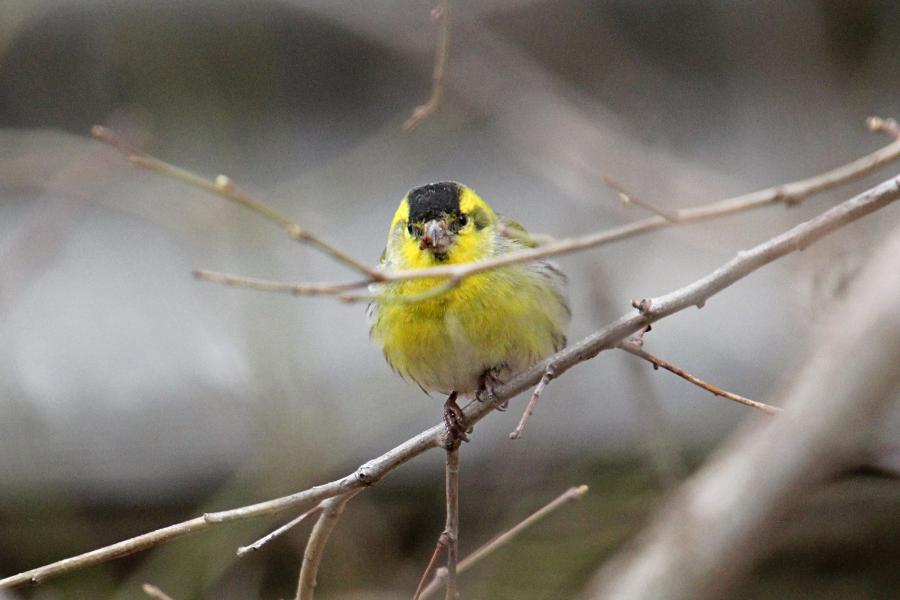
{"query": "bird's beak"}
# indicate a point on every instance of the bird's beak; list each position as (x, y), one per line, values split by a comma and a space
(436, 237)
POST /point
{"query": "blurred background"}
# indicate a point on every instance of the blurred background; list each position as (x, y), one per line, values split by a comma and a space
(133, 396)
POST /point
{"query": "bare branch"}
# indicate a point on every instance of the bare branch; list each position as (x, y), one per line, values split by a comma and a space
(223, 187)
(154, 592)
(574, 493)
(634, 349)
(332, 509)
(440, 13)
(269, 285)
(281, 530)
(888, 126)
(532, 403)
(726, 517)
(449, 538)
(789, 193)
(372, 472)
(451, 528)
(429, 568)
(629, 198)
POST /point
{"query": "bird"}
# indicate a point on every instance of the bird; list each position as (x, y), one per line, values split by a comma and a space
(476, 334)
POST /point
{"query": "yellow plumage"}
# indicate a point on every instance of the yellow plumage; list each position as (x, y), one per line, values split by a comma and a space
(494, 323)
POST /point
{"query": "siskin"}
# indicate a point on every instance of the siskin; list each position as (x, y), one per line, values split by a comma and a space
(479, 333)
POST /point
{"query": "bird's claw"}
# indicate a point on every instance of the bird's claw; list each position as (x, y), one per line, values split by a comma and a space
(456, 422)
(486, 384)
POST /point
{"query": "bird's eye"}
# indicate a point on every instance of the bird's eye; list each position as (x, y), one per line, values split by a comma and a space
(463, 219)
(409, 228)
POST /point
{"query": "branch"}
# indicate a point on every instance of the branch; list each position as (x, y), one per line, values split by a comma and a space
(428, 569)
(628, 198)
(223, 187)
(451, 528)
(281, 530)
(432, 562)
(449, 538)
(724, 520)
(332, 509)
(154, 592)
(635, 349)
(789, 194)
(574, 493)
(268, 285)
(367, 474)
(888, 126)
(440, 13)
(370, 473)
(532, 403)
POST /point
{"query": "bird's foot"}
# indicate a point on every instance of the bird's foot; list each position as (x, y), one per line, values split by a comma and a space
(456, 422)
(486, 384)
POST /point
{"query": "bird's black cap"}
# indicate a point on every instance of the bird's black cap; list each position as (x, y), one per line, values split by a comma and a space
(433, 201)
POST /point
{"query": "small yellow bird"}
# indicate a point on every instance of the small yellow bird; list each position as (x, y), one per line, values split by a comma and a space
(477, 334)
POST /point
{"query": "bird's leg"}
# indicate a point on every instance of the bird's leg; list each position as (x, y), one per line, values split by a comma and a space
(486, 383)
(455, 420)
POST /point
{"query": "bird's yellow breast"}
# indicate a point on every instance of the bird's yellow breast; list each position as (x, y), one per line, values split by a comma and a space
(499, 319)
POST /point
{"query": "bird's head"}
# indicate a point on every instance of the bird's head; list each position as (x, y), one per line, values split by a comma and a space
(441, 223)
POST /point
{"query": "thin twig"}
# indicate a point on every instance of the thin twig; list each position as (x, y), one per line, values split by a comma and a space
(268, 285)
(429, 568)
(451, 528)
(339, 288)
(532, 403)
(154, 592)
(634, 349)
(629, 198)
(225, 188)
(449, 539)
(888, 126)
(693, 294)
(281, 530)
(789, 193)
(332, 509)
(440, 13)
(573, 493)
